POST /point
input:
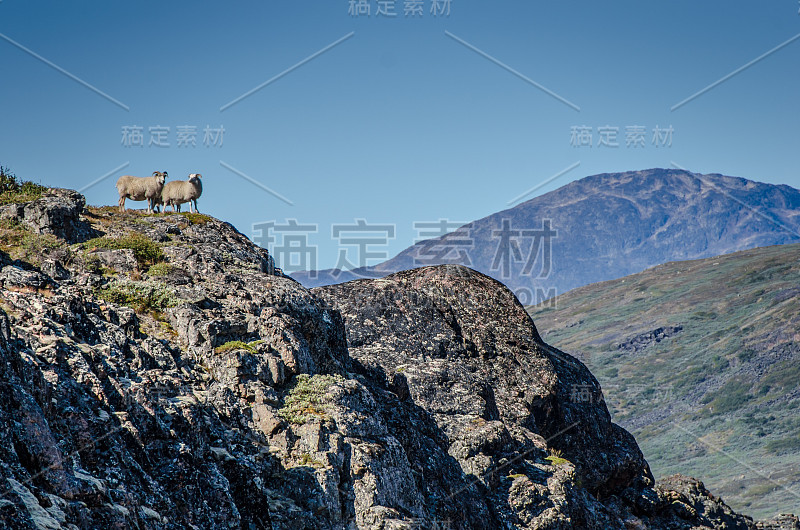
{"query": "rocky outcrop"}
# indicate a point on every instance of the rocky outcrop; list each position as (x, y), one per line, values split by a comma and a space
(196, 386)
(57, 212)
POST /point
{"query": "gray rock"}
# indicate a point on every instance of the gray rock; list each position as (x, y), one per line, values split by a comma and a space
(58, 213)
(423, 400)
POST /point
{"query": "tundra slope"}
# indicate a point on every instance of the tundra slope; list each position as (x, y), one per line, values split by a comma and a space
(423, 400)
(710, 347)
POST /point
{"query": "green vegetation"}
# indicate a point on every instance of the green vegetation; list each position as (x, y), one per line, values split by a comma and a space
(142, 297)
(308, 460)
(308, 399)
(94, 264)
(737, 311)
(15, 239)
(196, 218)
(26, 246)
(784, 374)
(12, 190)
(784, 445)
(146, 251)
(730, 397)
(161, 269)
(557, 460)
(238, 345)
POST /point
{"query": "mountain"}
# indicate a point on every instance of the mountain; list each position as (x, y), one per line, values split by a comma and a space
(158, 372)
(606, 226)
(700, 360)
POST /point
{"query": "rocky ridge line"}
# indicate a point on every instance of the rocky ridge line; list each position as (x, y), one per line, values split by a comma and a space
(183, 381)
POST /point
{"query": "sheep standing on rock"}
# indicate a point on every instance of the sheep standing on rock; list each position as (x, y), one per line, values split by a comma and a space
(178, 192)
(141, 189)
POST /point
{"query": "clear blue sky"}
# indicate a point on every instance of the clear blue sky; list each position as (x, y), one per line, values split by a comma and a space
(400, 122)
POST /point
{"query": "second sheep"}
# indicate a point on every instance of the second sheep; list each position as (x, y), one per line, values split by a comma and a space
(178, 192)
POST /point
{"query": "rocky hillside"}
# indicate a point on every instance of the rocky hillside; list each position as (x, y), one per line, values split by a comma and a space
(701, 361)
(156, 371)
(608, 226)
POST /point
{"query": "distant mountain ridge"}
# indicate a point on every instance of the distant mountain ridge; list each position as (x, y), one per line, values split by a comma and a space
(607, 226)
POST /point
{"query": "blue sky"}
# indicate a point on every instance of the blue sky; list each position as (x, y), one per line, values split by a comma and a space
(401, 121)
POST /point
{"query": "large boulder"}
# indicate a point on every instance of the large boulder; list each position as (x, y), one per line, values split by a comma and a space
(57, 212)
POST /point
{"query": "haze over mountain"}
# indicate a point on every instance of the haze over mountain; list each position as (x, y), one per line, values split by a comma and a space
(700, 360)
(606, 226)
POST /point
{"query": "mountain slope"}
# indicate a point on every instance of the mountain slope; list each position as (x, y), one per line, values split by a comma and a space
(701, 361)
(158, 372)
(609, 226)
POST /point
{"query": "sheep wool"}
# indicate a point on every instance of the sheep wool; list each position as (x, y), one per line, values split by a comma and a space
(141, 189)
(178, 192)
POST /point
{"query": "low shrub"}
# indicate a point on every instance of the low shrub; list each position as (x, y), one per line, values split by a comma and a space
(308, 399)
(14, 191)
(146, 251)
(142, 297)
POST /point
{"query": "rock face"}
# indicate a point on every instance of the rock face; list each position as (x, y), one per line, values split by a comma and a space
(198, 387)
(57, 212)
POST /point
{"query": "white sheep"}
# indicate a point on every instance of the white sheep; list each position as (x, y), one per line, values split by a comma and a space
(178, 192)
(141, 189)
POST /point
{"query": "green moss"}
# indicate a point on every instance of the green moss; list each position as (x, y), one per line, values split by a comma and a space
(235, 345)
(307, 460)
(146, 251)
(143, 297)
(196, 218)
(308, 399)
(557, 460)
(161, 269)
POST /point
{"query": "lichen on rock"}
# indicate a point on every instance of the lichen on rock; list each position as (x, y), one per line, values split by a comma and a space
(227, 395)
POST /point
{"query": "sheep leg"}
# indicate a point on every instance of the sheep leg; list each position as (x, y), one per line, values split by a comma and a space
(121, 203)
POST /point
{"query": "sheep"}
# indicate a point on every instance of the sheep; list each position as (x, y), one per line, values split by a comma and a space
(178, 192)
(140, 189)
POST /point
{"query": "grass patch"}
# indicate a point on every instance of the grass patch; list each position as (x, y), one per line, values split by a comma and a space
(308, 399)
(12, 190)
(142, 297)
(308, 460)
(146, 251)
(238, 345)
(26, 246)
(557, 460)
(161, 269)
(790, 444)
(198, 219)
(784, 374)
(730, 397)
